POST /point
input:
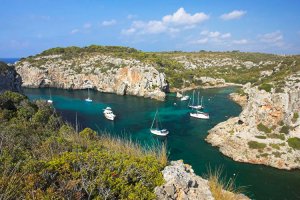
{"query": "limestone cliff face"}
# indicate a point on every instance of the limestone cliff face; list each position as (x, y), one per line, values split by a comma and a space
(103, 73)
(268, 118)
(183, 184)
(9, 79)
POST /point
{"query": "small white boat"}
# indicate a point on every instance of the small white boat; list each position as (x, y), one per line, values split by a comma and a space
(88, 99)
(185, 98)
(109, 114)
(50, 101)
(158, 131)
(200, 115)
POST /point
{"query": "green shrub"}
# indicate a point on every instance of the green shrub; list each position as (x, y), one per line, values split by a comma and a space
(263, 128)
(256, 145)
(277, 136)
(275, 146)
(295, 117)
(285, 130)
(294, 143)
(261, 137)
(265, 86)
(88, 133)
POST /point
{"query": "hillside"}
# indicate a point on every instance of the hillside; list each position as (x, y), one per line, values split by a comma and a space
(180, 69)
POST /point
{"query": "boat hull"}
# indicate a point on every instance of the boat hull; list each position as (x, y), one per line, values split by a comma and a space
(185, 98)
(159, 132)
(200, 115)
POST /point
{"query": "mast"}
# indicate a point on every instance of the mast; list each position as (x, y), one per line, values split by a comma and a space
(202, 101)
(193, 102)
(76, 126)
(154, 119)
(50, 94)
(88, 93)
(198, 98)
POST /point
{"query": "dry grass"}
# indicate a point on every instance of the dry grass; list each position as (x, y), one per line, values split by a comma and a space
(127, 146)
(222, 189)
(118, 144)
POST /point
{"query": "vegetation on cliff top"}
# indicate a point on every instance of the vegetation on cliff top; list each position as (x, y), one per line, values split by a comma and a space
(171, 63)
(41, 157)
(4, 67)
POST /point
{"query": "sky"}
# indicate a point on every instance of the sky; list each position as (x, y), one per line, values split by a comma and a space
(31, 26)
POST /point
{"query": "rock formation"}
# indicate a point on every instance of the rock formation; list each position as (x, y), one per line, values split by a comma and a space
(100, 72)
(263, 132)
(183, 184)
(9, 79)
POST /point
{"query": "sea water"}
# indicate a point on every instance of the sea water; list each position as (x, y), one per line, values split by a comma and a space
(186, 135)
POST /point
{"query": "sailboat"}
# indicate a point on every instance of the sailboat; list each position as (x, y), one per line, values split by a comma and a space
(199, 114)
(157, 130)
(198, 106)
(88, 99)
(50, 101)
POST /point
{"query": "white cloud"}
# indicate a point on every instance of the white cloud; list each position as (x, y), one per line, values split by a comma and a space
(212, 37)
(273, 37)
(215, 34)
(74, 31)
(226, 35)
(180, 17)
(87, 25)
(168, 24)
(242, 41)
(109, 22)
(236, 14)
(200, 41)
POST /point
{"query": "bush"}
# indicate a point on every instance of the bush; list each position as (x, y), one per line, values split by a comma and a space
(295, 117)
(263, 128)
(261, 137)
(285, 130)
(266, 87)
(294, 143)
(277, 136)
(256, 145)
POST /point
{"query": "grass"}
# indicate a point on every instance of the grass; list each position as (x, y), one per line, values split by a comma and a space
(220, 188)
(256, 145)
(294, 143)
(263, 128)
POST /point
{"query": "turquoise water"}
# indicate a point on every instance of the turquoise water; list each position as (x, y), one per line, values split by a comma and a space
(186, 138)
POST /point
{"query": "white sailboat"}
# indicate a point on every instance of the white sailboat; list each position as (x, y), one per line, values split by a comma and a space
(198, 106)
(158, 131)
(200, 115)
(50, 101)
(109, 114)
(184, 97)
(88, 99)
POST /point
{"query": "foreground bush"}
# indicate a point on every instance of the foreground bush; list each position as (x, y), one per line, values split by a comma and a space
(41, 157)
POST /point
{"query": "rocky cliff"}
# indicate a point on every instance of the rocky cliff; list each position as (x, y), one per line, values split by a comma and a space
(104, 73)
(183, 184)
(9, 79)
(268, 129)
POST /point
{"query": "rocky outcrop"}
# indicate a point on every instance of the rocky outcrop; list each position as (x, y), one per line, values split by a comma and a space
(183, 184)
(9, 79)
(261, 133)
(100, 72)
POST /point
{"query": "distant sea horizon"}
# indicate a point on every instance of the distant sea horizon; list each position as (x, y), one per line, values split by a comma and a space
(9, 60)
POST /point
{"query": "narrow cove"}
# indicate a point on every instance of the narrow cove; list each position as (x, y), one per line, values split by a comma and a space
(186, 138)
